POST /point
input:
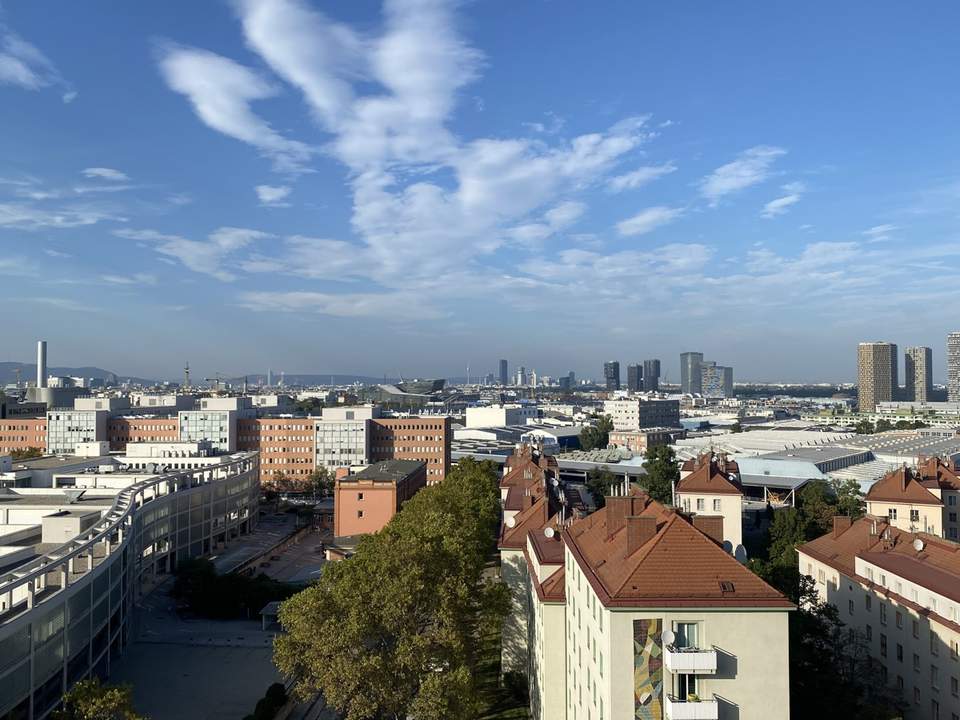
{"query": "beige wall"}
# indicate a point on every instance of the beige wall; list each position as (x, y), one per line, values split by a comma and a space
(513, 572)
(731, 509)
(930, 517)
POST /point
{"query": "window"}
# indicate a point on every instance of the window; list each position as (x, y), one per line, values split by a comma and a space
(934, 644)
(359, 496)
(916, 628)
(953, 517)
(951, 500)
(716, 505)
(687, 635)
(850, 606)
(359, 513)
(916, 695)
(701, 504)
(899, 619)
(916, 662)
(883, 613)
(899, 682)
(869, 631)
(899, 652)
(914, 516)
(954, 687)
(935, 677)
(883, 645)
(892, 514)
(868, 602)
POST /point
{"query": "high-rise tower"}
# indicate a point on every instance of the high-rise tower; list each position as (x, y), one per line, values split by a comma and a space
(876, 374)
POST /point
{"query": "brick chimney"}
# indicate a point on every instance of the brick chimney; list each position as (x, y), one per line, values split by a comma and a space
(640, 529)
(710, 525)
(617, 509)
(841, 523)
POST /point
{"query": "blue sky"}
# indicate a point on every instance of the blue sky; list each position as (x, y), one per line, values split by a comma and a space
(417, 185)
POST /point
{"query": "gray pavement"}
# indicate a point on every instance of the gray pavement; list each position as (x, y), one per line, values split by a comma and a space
(271, 529)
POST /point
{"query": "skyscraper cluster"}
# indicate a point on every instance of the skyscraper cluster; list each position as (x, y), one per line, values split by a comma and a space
(640, 377)
(704, 377)
(878, 377)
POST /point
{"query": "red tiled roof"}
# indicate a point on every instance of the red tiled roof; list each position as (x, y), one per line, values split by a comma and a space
(711, 476)
(553, 589)
(935, 473)
(902, 486)
(535, 517)
(679, 566)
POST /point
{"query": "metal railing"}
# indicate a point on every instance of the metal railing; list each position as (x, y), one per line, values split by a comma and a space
(110, 533)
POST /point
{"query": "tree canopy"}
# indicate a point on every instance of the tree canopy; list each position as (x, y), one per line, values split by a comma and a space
(599, 482)
(662, 472)
(392, 632)
(89, 700)
(597, 435)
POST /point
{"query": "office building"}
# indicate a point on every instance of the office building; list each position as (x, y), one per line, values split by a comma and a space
(953, 367)
(877, 377)
(604, 624)
(611, 375)
(901, 591)
(504, 373)
(690, 373)
(80, 558)
(637, 441)
(716, 381)
(364, 502)
(651, 375)
(424, 439)
(634, 378)
(500, 415)
(286, 446)
(638, 413)
(918, 374)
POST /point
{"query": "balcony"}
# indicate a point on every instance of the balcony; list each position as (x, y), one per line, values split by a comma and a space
(677, 709)
(690, 661)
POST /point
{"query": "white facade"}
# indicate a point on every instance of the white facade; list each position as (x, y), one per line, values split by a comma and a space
(638, 413)
(500, 415)
(66, 428)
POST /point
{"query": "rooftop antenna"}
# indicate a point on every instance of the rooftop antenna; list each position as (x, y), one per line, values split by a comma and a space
(17, 372)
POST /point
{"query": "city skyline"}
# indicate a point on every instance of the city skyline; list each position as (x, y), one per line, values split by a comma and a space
(338, 205)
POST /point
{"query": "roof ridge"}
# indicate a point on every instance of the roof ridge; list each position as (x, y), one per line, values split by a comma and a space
(644, 550)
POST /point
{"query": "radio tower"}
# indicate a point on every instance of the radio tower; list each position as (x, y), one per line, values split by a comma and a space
(186, 375)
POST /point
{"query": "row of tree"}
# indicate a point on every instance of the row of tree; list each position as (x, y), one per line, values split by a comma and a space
(866, 427)
(320, 482)
(831, 672)
(394, 631)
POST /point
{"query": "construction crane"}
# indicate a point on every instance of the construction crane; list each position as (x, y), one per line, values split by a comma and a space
(215, 380)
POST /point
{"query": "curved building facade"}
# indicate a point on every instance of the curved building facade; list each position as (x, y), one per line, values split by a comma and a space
(66, 614)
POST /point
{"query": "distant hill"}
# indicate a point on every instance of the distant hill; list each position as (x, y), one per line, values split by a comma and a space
(28, 373)
(312, 379)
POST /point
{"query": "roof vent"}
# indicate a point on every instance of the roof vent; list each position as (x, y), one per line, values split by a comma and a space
(726, 586)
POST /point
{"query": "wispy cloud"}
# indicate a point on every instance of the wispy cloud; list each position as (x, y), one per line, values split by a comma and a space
(778, 206)
(209, 257)
(392, 305)
(639, 177)
(134, 279)
(648, 220)
(24, 66)
(880, 233)
(104, 173)
(22, 216)
(221, 92)
(273, 196)
(750, 168)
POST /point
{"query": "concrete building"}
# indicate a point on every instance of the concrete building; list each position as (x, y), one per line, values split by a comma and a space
(712, 489)
(500, 415)
(651, 375)
(716, 381)
(23, 434)
(66, 608)
(877, 376)
(342, 436)
(611, 374)
(919, 500)
(122, 430)
(215, 420)
(690, 373)
(638, 441)
(635, 377)
(901, 591)
(365, 502)
(67, 427)
(953, 367)
(918, 374)
(638, 413)
(286, 446)
(605, 625)
(504, 373)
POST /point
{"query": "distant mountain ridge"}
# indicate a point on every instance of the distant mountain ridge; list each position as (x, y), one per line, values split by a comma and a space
(28, 373)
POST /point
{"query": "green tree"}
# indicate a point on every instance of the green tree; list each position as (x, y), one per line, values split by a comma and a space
(26, 453)
(849, 498)
(661, 473)
(788, 529)
(321, 482)
(89, 700)
(599, 482)
(883, 425)
(393, 631)
(864, 427)
(597, 435)
(817, 503)
(736, 427)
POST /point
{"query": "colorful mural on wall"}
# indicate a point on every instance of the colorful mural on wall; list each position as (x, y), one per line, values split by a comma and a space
(647, 670)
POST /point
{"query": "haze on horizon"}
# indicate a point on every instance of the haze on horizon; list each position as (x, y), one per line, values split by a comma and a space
(407, 188)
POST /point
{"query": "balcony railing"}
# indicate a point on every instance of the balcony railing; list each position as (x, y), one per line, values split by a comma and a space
(691, 661)
(677, 709)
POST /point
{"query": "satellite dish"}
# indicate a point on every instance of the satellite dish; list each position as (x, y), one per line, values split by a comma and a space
(511, 522)
(668, 636)
(548, 532)
(554, 482)
(918, 544)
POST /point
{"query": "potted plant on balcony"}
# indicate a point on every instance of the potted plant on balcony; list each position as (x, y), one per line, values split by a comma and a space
(693, 697)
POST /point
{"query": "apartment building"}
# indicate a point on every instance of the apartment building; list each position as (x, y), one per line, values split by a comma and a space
(425, 439)
(636, 611)
(923, 499)
(133, 429)
(639, 440)
(638, 413)
(711, 488)
(877, 374)
(901, 591)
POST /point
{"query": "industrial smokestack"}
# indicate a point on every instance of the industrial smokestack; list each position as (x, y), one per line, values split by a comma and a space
(41, 363)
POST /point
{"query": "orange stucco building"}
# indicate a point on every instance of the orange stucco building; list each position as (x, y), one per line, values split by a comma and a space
(365, 502)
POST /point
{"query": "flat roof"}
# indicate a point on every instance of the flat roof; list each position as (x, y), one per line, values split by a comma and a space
(814, 453)
(10, 497)
(52, 462)
(388, 470)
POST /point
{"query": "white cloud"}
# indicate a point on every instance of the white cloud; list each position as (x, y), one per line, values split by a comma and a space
(782, 204)
(21, 216)
(648, 220)
(23, 65)
(640, 177)
(103, 173)
(750, 168)
(209, 257)
(273, 195)
(880, 233)
(134, 279)
(56, 253)
(221, 91)
(391, 305)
